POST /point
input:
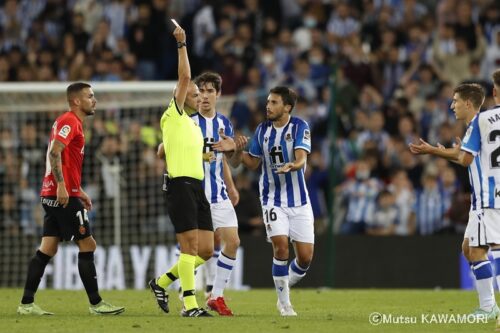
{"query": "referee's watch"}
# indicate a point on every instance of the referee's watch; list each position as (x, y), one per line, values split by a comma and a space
(181, 44)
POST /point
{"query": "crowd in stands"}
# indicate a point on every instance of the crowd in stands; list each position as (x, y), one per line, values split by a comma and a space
(395, 64)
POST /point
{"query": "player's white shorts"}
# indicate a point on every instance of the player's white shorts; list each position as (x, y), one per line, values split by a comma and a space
(483, 227)
(294, 222)
(223, 214)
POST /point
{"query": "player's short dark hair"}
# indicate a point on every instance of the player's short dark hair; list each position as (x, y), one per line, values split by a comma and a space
(209, 77)
(75, 88)
(288, 96)
(496, 78)
(471, 92)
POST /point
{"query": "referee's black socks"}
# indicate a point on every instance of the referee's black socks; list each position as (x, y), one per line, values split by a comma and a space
(36, 269)
(86, 268)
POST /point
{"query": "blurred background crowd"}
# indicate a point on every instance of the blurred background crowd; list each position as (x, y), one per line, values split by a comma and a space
(396, 64)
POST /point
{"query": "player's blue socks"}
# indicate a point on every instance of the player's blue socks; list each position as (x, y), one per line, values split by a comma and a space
(296, 272)
(496, 265)
(484, 284)
(280, 277)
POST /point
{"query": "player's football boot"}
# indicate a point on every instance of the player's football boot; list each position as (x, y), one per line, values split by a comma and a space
(195, 312)
(285, 310)
(104, 308)
(32, 309)
(160, 294)
(219, 305)
(490, 315)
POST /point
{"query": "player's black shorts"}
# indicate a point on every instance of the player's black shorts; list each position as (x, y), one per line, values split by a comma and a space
(70, 223)
(187, 205)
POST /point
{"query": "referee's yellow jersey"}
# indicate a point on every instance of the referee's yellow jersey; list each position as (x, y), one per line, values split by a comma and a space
(183, 143)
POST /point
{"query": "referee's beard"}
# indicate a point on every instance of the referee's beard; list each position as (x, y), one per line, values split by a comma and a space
(189, 110)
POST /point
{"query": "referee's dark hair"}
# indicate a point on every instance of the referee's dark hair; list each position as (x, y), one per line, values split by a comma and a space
(75, 88)
(209, 77)
(288, 96)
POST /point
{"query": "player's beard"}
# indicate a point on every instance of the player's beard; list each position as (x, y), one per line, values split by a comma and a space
(90, 111)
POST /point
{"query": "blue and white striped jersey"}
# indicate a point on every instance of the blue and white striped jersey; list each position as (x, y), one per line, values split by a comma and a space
(213, 183)
(482, 140)
(361, 200)
(475, 174)
(275, 147)
(430, 209)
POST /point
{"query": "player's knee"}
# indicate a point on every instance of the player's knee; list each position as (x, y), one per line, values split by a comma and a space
(205, 254)
(304, 262)
(477, 254)
(87, 245)
(466, 251)
(281, 253)
(49, 251)
(233, 244)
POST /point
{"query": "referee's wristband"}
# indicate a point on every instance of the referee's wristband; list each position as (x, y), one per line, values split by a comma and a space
(181, 44)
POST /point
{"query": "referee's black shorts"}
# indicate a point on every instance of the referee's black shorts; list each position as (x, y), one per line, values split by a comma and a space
(187, 205)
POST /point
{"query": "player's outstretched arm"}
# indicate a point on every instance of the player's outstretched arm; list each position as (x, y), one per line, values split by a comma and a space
(226, 144)
(236, 158)
(300, 161)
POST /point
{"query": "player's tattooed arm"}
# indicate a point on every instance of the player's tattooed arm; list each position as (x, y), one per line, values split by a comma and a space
(55, 160)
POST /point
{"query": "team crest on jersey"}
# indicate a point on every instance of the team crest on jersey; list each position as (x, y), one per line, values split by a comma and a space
(268, 227)
(82, 230)
(221, 130)
(64, 131)
(288, 137)
(266, 139)
(467, 134)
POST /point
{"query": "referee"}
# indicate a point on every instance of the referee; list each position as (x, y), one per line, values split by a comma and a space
(187, 205)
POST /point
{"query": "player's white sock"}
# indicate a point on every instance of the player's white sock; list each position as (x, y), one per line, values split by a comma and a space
(210, 270)
(484, 284)
(295, 272)
(280, 277)
(496, 265)
(223, 273)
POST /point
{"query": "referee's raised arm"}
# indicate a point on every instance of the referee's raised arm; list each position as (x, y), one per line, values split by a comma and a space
(184, 70)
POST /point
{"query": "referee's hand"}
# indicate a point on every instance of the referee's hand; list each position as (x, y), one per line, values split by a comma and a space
(180, 35)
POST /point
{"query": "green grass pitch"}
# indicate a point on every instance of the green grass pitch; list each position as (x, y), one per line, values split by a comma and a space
(255, 311)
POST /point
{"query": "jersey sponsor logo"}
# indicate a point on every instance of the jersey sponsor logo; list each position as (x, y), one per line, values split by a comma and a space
(64, 131)
(467, 135)
(48, 183)
(276, 156)
(208, 151)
